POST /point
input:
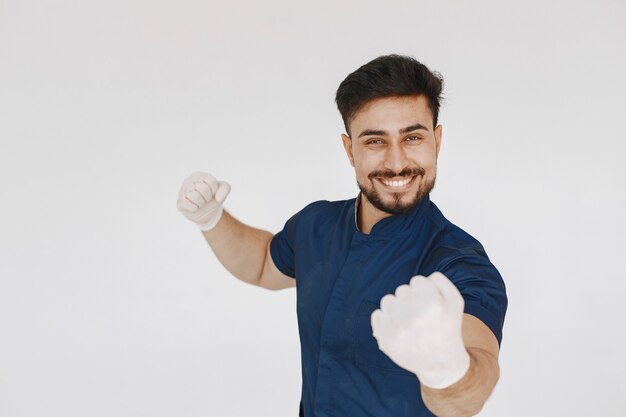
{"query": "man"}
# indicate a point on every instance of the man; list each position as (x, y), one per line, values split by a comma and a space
(400, 312)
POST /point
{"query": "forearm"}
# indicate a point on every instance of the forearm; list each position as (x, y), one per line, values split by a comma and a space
(240, 248)
(467, 396)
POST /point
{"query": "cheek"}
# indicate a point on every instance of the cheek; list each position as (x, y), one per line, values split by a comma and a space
(367, 163)
(362, 167)
(426, 160)
(361, 172)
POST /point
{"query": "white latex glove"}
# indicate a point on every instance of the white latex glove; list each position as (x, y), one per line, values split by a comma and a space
(419, 328)
(200, 199)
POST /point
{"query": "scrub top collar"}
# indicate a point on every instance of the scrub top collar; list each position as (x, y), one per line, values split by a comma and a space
(394, 224)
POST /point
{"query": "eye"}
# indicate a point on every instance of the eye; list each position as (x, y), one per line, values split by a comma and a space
(416, 138)
(372, 141)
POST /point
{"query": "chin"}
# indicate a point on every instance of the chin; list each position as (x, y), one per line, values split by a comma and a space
(397, 202)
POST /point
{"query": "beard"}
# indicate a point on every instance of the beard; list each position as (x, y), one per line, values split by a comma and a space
(397, 205)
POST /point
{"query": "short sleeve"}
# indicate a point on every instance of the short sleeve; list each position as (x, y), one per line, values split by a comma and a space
(482, 287)
(282, 247)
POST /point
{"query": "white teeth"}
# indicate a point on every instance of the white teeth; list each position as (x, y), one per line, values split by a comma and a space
(397, 183)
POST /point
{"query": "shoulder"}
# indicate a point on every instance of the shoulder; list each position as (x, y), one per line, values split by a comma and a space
(450, 239)
(326, 205)
(322, 211)
(463, 260)
(317, 219)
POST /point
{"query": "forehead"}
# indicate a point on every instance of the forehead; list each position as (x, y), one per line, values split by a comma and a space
(389, 113)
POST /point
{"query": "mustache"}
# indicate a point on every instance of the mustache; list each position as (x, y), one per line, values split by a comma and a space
(407, 172)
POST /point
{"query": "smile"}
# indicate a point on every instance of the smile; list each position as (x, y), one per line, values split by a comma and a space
(397, 185)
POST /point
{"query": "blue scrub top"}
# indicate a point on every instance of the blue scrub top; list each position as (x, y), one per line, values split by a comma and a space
(342, 274)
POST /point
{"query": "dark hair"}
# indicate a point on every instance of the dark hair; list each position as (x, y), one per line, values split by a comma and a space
(388, 76)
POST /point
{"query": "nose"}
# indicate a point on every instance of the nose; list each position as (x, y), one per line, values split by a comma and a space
(395, 158)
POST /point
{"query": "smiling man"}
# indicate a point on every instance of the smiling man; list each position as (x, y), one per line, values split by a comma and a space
(396, 167)
(400, 312)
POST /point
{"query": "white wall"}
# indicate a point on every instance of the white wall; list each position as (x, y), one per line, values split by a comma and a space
(111, 302)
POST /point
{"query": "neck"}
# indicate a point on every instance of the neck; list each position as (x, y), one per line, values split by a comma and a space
(368, 215)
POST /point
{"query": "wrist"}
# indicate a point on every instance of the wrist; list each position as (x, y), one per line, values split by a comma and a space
(453, 371)
(205, 227)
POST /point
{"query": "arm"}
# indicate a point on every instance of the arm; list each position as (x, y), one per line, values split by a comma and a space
(422, 327)
(467, 396)
(244, 252)
(240, 248)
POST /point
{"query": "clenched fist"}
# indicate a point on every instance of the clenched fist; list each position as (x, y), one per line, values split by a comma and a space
(200, 199)
(419, 328)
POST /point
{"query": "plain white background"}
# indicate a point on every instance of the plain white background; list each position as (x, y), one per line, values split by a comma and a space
(112, 303)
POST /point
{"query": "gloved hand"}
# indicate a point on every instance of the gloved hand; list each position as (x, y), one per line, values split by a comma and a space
(200, 199)
(419, 328)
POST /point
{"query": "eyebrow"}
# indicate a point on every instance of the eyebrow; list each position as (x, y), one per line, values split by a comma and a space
(371, 132)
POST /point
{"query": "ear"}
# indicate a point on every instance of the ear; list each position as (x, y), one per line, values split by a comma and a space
(438, 133)
(347, 144)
